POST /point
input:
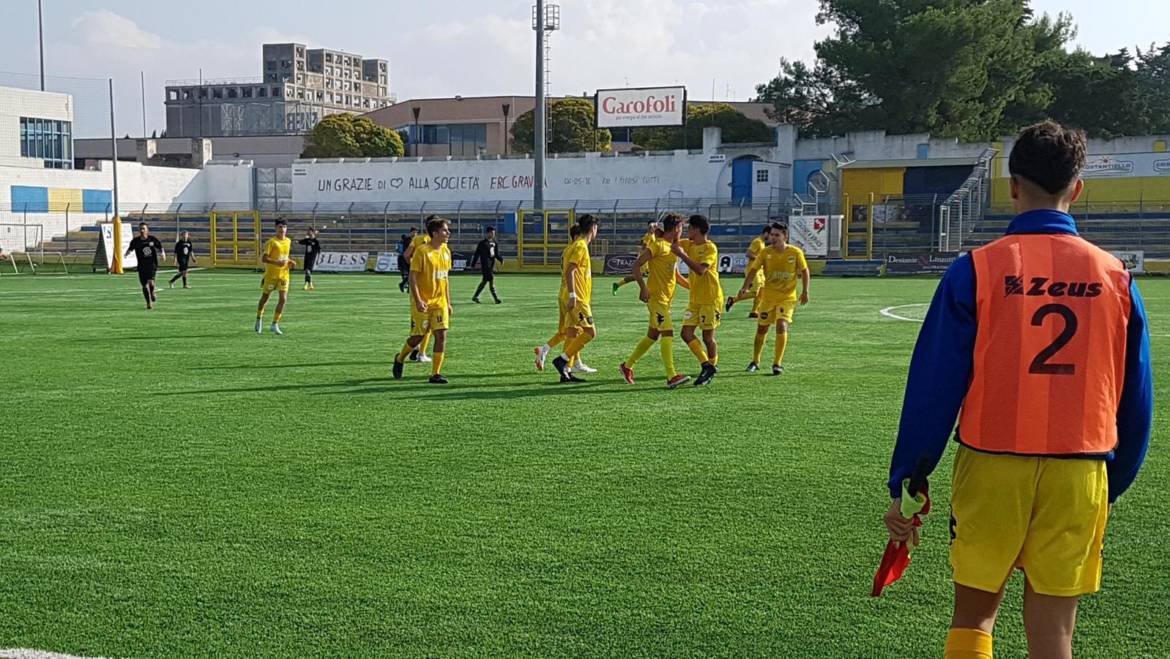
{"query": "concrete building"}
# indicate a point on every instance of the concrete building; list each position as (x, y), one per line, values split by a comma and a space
(261, 150)
(478, 125)
(36, 129)
(297, 87)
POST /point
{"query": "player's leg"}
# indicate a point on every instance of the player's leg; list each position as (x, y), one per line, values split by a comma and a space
(308, 277)
(584, 333)
(281, 300)
(440, 354)
(266, 292)
(763, 324)
(972, 624)
(652, 334)
(479, 289)
(144, 283)
(491, 281)
(1049, 623)
(689, 337)
(181, 274)
(712, 346)
(781, 343)
(186, 284)
(664, 324)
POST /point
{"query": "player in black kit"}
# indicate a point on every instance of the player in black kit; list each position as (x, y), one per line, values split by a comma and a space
(486, 254)
(184, 257)
(403, 264)
(312, 250)
(149, 252)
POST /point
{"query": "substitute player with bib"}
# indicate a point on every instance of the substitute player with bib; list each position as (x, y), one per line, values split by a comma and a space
(1040, 339)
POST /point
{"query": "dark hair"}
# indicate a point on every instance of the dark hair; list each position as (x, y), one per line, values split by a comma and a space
(700, 222)
(585, 223)
(1049, 155)
(671, 221)
(779, 225)
(414, 229)
(434, 223)
(489, 229)
(281, 222)
(313, 229)
(142, 224)
(574, 232)
(652, 223)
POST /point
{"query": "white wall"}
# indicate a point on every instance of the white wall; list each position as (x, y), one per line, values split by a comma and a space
(16, 103)
(224, 183)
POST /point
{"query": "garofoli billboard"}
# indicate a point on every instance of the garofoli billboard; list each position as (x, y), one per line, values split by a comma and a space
(634, 108)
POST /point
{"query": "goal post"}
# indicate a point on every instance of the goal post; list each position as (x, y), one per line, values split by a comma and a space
(540, 237)
(235, 238)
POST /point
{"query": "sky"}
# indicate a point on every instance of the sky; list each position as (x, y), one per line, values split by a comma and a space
(716, 48)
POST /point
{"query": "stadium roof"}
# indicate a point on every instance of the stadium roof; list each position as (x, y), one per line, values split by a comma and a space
(911, 162)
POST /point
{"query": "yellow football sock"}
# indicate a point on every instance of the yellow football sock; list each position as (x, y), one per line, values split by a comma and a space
(759, 347)
(698, 351)
(666, 347)
(573, 360)
(426, 343)
(968, 644)
(576, 345)
(781, 344)
(406, 350)
(639, 350)
(437, 363)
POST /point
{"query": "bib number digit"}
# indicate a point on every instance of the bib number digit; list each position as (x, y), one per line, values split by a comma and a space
(1041, 364)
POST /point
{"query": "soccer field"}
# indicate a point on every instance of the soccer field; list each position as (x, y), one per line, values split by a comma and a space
(172, 484)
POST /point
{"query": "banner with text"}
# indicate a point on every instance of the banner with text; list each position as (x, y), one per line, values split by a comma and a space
(342, 262)
(106, 247)
(387, 262)
(619, 264)
(919, 264)
(811, 233)
(1135, 261)
(632, 108)
(735, 264)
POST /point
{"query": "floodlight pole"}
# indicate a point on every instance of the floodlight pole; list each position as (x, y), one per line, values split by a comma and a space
(539, 135)
(41, 40)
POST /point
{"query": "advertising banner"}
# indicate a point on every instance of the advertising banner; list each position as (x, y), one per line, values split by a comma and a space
(342, 262)
(1135, 261)
(632, 108)
(919, 264)
(619, 264)
(387, 262)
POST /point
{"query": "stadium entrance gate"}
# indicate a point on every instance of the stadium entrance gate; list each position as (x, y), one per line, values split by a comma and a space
(541, 235)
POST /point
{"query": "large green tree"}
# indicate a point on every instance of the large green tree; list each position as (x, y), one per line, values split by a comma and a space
(351, 136)
(954, 68)
(737, 129)
(570, 129)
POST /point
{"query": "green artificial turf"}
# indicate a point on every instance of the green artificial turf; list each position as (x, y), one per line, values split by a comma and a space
(172, 484)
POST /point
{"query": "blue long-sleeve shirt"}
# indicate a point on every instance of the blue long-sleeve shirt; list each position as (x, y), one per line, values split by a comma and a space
(940, 372)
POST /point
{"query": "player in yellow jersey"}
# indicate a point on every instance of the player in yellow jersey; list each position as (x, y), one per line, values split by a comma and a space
(752, 285)
(658, 293)
(277, 266)
(430, 295)
(706, 295)
(575, 297)
(419, 354)
(653, 231)
(781, 264)
(577, 364)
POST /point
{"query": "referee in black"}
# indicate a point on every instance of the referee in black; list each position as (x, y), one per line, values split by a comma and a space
(403, 264)
(486, 254)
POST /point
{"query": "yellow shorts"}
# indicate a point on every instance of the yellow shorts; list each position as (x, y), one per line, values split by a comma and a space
(579, 317)
(434, 318)
(1046, 516)
(773, 312)
(660, 316)
(278, 284)
(703, 316)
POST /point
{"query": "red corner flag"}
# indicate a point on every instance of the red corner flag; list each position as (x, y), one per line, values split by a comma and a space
(897, 556)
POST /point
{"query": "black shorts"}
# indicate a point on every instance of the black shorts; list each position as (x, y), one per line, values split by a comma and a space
(184, 266)
(310, 264)
(146, 274)
(489, 275)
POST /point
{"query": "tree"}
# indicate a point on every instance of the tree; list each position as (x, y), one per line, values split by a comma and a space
(1100, 95)
(737, 129)
(351, 136)
(953, 68)
(570, 129)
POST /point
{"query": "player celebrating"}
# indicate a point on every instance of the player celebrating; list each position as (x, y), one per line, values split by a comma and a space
(312, 251)
(706, 295)
(1040, 339)
(148, 250)
(486, 254)
(403, 263)
(430, 266)
(752, 287)
(653, 231)
(781, 264)
(184, 257)
(658, 294)
(277, 267)
(576, 295)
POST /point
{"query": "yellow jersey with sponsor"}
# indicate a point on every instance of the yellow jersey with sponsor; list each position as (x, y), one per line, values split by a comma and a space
(781, 270)
(276, 249)
(705, 288)
(431, 266)
(577, 253)
(662, 265)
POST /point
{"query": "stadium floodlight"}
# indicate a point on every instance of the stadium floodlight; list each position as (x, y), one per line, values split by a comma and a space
(545, 18)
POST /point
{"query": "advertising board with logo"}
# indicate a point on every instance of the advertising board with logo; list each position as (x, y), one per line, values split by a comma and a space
(1134, 260)
(811, 234)
(632, 108)
(919, 264)
(619, 264)
(342, 262)
(387, 262)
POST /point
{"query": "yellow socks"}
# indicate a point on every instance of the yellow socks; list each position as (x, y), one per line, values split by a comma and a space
(426, 343)
(639, 351)
(576, 345)
(781, 344)
(698, 351)
(666, 347)
(759, 347)
(968, 644)
(406, 350)
(437, 363)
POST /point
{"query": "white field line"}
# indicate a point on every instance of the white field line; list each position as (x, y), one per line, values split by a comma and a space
(888, 312)
(25, 653)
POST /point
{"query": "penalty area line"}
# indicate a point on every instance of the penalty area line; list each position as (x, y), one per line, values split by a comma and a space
(888, 312)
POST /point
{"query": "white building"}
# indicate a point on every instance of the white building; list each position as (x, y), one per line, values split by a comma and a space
(36, 129)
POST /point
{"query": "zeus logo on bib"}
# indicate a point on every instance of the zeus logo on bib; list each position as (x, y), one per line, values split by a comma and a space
(1043, 286)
